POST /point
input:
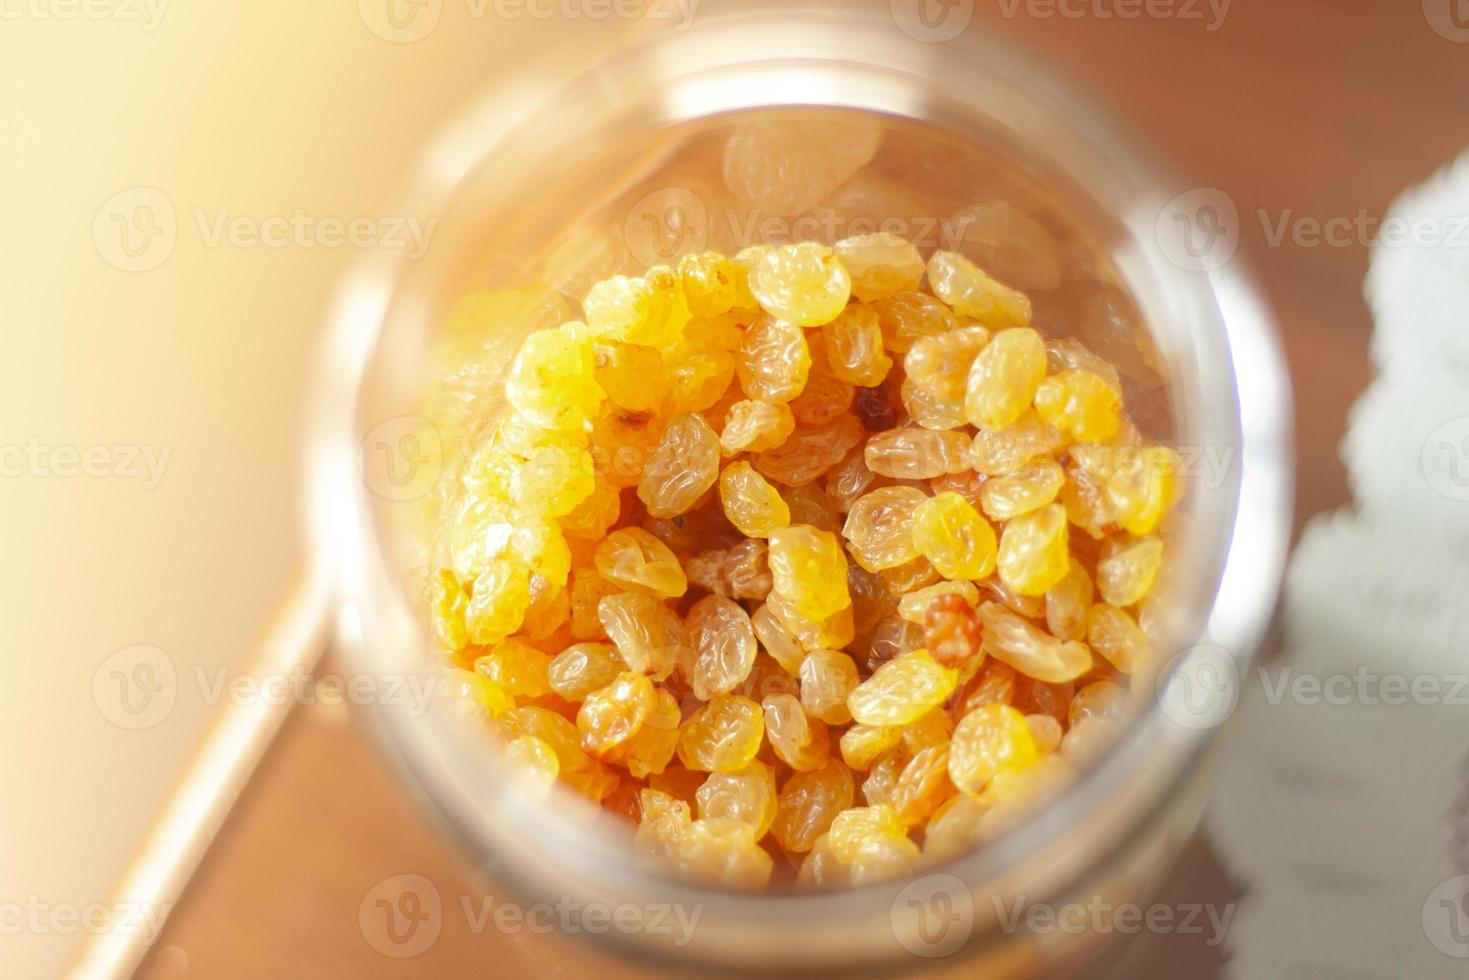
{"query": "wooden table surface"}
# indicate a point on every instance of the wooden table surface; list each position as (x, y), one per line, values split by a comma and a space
(1306, 108)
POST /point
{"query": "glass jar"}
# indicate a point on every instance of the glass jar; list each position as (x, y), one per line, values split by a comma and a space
(628, 159)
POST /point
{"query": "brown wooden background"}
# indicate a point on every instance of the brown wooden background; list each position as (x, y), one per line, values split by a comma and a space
(1321, 109)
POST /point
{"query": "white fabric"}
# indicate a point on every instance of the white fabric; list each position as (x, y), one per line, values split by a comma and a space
(1340, 820)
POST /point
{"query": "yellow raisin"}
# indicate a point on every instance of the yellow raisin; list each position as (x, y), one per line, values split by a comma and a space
(1004, 377)
(631, 375)
(752, 505)
(939, 364)
(964, 286)
(854, 347)
(650, 309)
(861, 745)
(879, 527)
(773, 361)
(776, 640)
(648, 752)
(534, 762)
(518, 668)
(827, 678)
(989, 740)
(500, 598)
(809, 570)
(551, 380)
(800, 741)
(710, 283)
(1081, 404)
(854, 827)
(809, 453)
(648, 635)
(951, 534)
(1067, 603)
(611, 716)
(1032, 486)
(902, 690)
(683, 466)
(914, 605)
(905, 317)
(747, 795)
(804, 283)
(583, 668)
(1115, 635)
(723, 736)
(1030, 649)
(922, 784)
(754, 426)
(916, 453)
(808, 803)
(1000, 451)
(1127, 568)
(880, 264)
(1033, 553)
(637, 561)
(723, 643)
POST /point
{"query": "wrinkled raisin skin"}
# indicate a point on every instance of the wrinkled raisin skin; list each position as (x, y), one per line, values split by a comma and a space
(951, 630)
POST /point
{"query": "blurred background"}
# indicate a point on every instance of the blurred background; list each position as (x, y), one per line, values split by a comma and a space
(185, 186)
